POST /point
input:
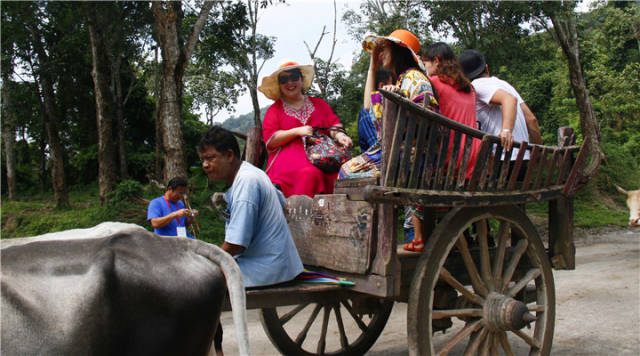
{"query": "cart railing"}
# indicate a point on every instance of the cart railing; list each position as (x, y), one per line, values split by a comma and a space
(426, 157)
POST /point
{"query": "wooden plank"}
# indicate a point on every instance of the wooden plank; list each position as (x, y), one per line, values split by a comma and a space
(542, 167)
(453, 161)
(531, 167)
(394, 153)
(407, 150)
(388, 127)
(576, 170)
(430, 156)
(564, 164)
(504, 170)
(482, 185)
(442, 158)
(421, 153)
(554, 167)
(446, 198)
(562, 251)
(515, 172)
(481, 162)
(464, 164)
(332, 231)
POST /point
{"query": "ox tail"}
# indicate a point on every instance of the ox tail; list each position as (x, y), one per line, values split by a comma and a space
(235, 285)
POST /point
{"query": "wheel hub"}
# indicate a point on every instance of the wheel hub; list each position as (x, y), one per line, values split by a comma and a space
(505, 313)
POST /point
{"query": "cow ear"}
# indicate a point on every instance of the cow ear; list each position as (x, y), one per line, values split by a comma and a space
(621, 190)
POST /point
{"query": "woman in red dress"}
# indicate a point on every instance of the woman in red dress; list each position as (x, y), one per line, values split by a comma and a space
(287, 121)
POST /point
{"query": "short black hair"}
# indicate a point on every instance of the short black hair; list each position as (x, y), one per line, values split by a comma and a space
(176, 182)
(221, 139)
(382, 76)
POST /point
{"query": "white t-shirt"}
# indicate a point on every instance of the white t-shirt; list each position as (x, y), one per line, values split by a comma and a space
(490, 115)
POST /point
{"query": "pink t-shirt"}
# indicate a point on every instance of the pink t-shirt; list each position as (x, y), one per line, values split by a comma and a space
(461, 107)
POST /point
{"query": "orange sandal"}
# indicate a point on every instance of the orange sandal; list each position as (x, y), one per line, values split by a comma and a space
(414, 246)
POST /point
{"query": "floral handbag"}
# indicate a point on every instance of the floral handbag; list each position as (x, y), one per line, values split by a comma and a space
(323, 152)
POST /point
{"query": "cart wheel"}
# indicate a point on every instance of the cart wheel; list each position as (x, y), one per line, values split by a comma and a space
(345, 325)
(485, 281)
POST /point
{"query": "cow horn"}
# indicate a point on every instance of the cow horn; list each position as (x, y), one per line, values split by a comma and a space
(621, 190)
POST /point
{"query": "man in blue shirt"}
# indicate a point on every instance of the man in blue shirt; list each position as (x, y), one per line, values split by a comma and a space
(256, 231)
(167, 214)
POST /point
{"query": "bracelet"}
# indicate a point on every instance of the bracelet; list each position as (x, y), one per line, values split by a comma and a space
(506, 130)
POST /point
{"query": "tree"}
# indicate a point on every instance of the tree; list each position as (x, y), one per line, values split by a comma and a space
(101, 36)
(563, 18)
(245, 50)
(176, 53)
(8, 120)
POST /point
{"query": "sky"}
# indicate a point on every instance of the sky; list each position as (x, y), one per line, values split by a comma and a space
(292, 24)
(298, 21)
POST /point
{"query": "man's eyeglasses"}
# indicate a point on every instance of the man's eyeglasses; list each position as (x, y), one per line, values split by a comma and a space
(293, 77)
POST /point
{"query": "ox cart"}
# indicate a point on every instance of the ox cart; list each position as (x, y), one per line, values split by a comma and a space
(484, 283)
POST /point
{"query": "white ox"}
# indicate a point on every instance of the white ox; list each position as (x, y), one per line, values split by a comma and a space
(633, 202)
(115, 289)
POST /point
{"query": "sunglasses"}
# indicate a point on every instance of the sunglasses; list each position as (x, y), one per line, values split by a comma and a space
(293, 77)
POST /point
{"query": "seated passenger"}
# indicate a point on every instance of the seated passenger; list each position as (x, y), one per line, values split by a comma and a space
(456, 96)
(291, 117)
(256, 231)
(371, 113)
(457, 101)
(398, 54)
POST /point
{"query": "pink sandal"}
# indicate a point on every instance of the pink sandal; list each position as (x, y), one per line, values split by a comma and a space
(414, 246)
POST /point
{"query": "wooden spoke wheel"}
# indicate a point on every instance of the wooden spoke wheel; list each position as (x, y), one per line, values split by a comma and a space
(485, 281)
(345, 325)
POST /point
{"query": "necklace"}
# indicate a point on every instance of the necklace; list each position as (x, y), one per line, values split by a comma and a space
(302, 114)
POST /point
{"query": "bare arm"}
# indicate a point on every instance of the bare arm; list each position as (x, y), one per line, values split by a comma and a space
(509, 104)
(165, 220)
(368, 87)
(532, 125)
(232, 249)
(283, 137)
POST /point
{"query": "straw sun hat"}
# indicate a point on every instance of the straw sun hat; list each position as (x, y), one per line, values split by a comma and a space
(270, 86)
(400, 37)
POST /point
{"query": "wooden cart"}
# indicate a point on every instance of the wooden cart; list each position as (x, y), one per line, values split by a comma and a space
(484, 283)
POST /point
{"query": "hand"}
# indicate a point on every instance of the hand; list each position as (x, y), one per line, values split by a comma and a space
(392, 88)
(344, 140)
(507, 140)
(183, 212)
(304, 130)
(194, 213)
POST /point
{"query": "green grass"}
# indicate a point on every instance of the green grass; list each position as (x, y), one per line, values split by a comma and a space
(37, 214)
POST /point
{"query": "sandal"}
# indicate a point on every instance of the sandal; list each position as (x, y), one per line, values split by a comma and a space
(414, 246)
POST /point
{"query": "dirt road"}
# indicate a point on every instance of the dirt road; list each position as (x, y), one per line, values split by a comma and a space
(597, 305)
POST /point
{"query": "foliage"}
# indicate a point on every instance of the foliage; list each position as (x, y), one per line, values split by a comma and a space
(127, 190)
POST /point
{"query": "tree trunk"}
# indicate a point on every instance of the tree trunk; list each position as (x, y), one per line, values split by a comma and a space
(56, 151)
(8, 137)
(175, 56)
(158, 158)
(567, 36)
(256, 107)
(104, 111)
(120, 102)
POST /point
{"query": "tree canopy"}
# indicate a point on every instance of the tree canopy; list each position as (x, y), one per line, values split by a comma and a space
(104, 92)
